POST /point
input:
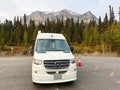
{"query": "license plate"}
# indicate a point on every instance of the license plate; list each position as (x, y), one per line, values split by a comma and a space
(57, 76)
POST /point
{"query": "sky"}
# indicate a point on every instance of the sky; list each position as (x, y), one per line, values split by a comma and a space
(11, 8)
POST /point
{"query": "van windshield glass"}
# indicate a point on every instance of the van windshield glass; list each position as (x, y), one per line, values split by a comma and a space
(44, 45)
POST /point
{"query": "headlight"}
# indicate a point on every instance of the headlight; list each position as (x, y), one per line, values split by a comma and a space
(73, 61)
(37, 62)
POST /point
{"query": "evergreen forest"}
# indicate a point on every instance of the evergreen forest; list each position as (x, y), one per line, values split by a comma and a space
(102, 36)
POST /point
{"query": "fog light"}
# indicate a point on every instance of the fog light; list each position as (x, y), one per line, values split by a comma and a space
(75, 69)
(35, 71)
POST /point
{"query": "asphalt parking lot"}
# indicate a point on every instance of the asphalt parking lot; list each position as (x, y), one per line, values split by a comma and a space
(97, 73)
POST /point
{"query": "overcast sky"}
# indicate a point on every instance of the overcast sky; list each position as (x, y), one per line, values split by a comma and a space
(11, 8)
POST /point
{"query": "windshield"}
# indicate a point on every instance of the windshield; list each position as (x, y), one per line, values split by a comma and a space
(44, 45)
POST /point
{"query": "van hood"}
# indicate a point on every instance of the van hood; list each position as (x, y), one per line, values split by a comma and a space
(53, 55)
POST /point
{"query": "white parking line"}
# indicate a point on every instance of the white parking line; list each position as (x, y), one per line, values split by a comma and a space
(1, 70)
(96, 68)
(118, 81)
(112, 73)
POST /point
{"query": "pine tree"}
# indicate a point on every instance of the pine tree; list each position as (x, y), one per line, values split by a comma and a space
(48, 26)
(72, 29)
(76, 32)
(58, 27)
(41, 27)
(112, 17)
(30, 31)
(80, 32)
(90, 40)
(119, 14)
(105, 23)
(95, 36)
(17, 30)
(34, 36)
(100, 25)
(21, 31)
(86, 36)
(25, 22)
(2, 38)
(25, 39)
(67, 29)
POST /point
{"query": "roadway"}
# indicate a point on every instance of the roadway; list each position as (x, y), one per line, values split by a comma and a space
(97, 73)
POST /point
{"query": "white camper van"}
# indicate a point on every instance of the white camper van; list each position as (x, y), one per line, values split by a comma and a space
(53, 59)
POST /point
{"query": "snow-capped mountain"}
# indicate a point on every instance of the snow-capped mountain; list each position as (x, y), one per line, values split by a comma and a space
(41, 17)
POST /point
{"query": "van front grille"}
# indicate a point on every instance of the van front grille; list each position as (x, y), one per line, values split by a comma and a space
(56, 64)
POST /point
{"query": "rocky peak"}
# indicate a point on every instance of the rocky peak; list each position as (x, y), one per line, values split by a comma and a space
(40, 16)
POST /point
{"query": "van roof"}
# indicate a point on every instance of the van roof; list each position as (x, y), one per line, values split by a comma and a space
(49, 36)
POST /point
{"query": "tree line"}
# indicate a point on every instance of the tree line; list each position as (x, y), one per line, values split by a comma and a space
(104, 33)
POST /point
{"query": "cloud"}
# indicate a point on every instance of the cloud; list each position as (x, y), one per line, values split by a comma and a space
(8, 9)
(8, 6)
(11, 8)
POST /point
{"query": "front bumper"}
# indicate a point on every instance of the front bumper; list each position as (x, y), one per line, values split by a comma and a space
(41, 75)
(37, 78)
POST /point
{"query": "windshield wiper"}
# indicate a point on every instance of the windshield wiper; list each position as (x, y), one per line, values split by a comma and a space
(57, 50)
(66, 51)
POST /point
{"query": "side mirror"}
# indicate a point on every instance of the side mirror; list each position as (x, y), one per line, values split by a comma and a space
(72, 49)
(31, 50)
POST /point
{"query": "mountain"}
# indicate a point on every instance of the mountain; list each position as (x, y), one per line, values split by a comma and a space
(41, 17)
(88, 16)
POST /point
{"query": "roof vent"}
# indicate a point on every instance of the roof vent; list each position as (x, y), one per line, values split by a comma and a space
(39, 32)
(51, 35)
